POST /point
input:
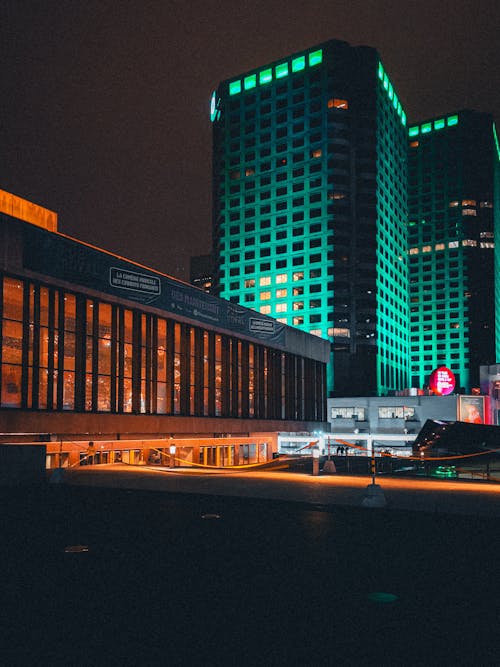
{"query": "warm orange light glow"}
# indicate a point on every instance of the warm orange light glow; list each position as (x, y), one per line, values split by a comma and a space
(22, 209)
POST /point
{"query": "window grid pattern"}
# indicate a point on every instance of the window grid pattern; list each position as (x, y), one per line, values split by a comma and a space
(64, 351)
(451, 248)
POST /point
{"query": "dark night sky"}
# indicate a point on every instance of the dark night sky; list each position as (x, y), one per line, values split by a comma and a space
(104, 106)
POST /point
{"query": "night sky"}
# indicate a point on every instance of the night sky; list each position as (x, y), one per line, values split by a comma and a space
(104, 105)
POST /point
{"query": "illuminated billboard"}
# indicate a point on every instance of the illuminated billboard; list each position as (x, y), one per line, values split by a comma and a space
(471, 409)
(442, 381)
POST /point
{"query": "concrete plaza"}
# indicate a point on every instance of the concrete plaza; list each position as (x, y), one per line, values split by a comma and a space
(427, 495)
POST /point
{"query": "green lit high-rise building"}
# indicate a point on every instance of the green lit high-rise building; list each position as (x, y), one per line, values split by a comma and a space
(310, 206)
(452, 164)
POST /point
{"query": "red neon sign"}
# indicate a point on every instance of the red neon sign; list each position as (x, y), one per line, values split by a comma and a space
(442, 381)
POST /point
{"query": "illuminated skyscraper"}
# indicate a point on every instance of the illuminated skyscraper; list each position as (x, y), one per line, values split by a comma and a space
(452, 163)
(310, 206)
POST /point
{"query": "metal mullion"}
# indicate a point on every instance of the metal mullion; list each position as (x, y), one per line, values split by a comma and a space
(50, 351)
(154, 364)
(121, 358)
(35, 374)
(113, 368)
(95, 355)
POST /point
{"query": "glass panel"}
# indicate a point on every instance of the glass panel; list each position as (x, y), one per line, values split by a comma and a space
(281, 70)
(13, 299)
(250, 81)
(266, 76)
(11, 386)
(69, 391)
(235, 87)
(315, 58)
(12, 336)
(42, 388)
(298, 64)
(127, 395)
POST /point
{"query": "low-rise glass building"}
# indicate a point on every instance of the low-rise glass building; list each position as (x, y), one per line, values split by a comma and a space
(98, 349)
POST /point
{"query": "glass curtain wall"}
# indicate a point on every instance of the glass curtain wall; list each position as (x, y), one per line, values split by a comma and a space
(66, 351)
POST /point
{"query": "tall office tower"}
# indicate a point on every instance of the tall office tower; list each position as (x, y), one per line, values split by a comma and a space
(310, 206)
(451, 245)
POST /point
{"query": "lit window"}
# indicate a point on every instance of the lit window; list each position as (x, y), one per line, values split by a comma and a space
(283, 320)
(235, 87)
(452, 120)
(439, 124)
(281, 307)
(453, 204)
(298, 320)
(298, 305)
(298, 291)
(426, 127)
(439, 246)
(316, 152)
(315, 332)
(453, 244)
(266, 76)
(469, 211)
(414, 144)
(265, 310)
(342, 333)
(469, 242)
(265, 280)
(250, 81)
(298, 64)
(315, 58)
(281, 293)
(249, 171)
(486, 235)
(281, 70)
(281, 278)
(250, 282)
(298, 275)
(265, 296)
(468, 202)
(413, 131)
(486, 244)
(486, 204)
(334, 103)
(427, 248)
(413, 251)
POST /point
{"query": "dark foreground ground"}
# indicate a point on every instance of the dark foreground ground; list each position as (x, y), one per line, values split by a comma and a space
(186, 580)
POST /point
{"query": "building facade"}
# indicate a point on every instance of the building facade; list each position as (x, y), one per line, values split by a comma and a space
(98, 348)
(452, 165)
(201, 272)
(310, 206)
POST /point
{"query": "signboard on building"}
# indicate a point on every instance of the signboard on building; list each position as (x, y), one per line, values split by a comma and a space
(70, 260)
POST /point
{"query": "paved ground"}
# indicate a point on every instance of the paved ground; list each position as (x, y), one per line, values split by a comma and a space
(443, 496)
(179, 569)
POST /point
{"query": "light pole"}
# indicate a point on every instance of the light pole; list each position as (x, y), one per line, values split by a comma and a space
(172, 450)
(315, 452)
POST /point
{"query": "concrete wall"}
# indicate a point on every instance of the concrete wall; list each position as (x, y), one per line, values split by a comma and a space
(22, 464)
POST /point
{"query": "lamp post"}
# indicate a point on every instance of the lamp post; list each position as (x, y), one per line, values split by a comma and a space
(172, 450)
(315, 453)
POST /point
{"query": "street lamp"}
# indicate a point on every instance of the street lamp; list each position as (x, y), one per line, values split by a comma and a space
(172, 451)
(315, 453)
